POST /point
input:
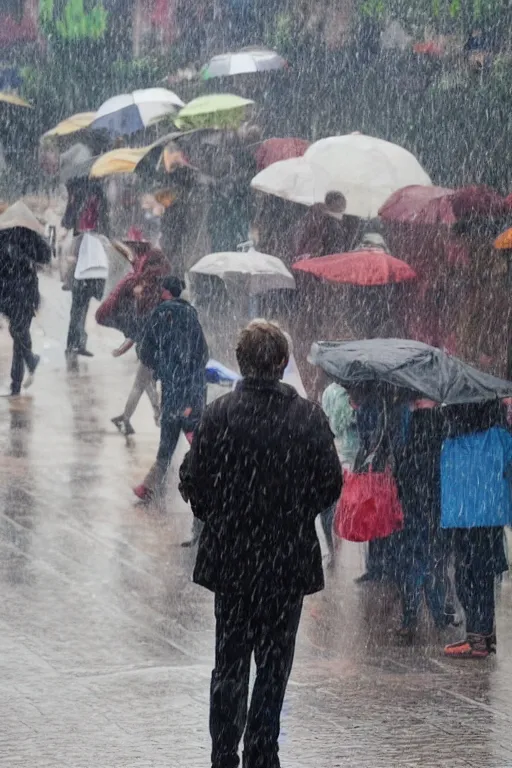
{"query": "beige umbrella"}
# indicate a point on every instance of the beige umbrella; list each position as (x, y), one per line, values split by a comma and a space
(13, 98)
(71, 124)
(19, 215)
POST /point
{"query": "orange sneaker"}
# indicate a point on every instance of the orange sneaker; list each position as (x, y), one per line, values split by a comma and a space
(473, 647)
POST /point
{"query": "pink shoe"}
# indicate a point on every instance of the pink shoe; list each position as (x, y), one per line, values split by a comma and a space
(143, 493)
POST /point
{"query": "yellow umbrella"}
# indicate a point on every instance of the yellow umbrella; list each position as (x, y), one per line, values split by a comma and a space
(504, 241)
(13, 98)
(122, 160)
(71, 124)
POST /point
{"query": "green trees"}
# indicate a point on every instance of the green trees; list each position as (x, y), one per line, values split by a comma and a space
(72, 21)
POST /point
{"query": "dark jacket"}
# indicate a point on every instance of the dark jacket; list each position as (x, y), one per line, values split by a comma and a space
(19, 285)
(262, 466)
(175, 349)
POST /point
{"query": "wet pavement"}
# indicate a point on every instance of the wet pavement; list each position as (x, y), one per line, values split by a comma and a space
(106, 646)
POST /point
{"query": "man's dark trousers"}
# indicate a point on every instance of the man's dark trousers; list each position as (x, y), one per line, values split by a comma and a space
(266, 625)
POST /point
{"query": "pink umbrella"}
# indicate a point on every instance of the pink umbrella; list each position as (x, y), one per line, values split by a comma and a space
(405, 204)
(273, 150)
(435, 205)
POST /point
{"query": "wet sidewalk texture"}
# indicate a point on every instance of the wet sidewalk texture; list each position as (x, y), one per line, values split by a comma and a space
(106, 647)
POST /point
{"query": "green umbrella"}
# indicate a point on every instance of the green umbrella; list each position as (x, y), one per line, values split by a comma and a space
(218, 110)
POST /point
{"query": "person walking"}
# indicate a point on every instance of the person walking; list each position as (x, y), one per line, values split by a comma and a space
(175, 349)
(128, 308)
(261, 467)
(19, 301)
(88, 283)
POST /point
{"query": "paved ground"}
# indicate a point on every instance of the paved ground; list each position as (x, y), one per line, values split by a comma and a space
(106, 645)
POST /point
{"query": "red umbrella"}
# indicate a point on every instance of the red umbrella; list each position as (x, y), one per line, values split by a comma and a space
(405, 204)
(443, 206)
(272, 150)
(371, 266)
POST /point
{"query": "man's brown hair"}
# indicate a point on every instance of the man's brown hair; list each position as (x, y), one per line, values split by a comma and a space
(262, 350)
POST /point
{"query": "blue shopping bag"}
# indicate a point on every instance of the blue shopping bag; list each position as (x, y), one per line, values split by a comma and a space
(476, 480)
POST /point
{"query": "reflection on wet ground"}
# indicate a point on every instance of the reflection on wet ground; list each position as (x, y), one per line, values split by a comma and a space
(106, 645)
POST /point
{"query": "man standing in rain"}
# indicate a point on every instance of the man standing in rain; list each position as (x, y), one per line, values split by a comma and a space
(262, 466)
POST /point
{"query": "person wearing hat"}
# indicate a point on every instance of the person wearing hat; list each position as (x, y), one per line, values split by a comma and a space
(175, 349)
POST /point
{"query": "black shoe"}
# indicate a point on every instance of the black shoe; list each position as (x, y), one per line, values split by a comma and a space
(368, 576)
(190, 543)
(84, 352)
(123, 425)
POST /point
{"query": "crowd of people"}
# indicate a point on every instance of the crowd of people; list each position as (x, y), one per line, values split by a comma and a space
(263, 465)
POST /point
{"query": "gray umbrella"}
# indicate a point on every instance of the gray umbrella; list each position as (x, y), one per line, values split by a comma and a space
(409, 365)
(242, 62)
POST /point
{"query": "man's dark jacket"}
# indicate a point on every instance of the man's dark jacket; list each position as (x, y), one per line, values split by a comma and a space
(262, 466)
(175, 348)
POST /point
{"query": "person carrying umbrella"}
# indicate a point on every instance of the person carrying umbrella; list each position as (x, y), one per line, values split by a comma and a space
(323, 229)
(19, 302)
(175, 349)
(22, 247)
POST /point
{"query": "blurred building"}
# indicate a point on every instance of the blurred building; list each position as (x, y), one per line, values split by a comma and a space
(19, 23)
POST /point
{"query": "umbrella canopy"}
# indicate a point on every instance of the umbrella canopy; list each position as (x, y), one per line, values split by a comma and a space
(367, 170)
(131, 112)
(19, 215)
(405, 205)
(242, 62)
(504, 241)
(71, 124)
(12, 98)
(254, 271)
(218, 110)
(409, 365)
(454, 205)
(295, 180)
(122, 160)
(273, 150)
(371, 266)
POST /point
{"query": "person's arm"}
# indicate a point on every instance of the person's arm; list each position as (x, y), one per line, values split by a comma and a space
(125, 346)
(197, 470)
(327, 478)
(148, 350)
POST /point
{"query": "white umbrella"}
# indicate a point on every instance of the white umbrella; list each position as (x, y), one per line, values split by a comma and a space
(367, 170)
(245, 61)
(253, 271)
(131, 112)
(294, 180)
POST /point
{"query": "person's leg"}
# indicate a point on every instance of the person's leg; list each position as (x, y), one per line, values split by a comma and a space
(169, 435)
(78, 300)
(276, 621)
(327, 520)
(152, 393)
(136, 392)
(17, 366)
(473, 591)
(413, 579)
(230, 678)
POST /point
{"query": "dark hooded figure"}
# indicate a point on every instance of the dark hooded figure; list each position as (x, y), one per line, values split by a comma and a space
(175, 349)
(262, 466)
(20, 250)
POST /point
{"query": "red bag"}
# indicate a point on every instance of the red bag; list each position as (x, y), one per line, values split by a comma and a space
(369, 507)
